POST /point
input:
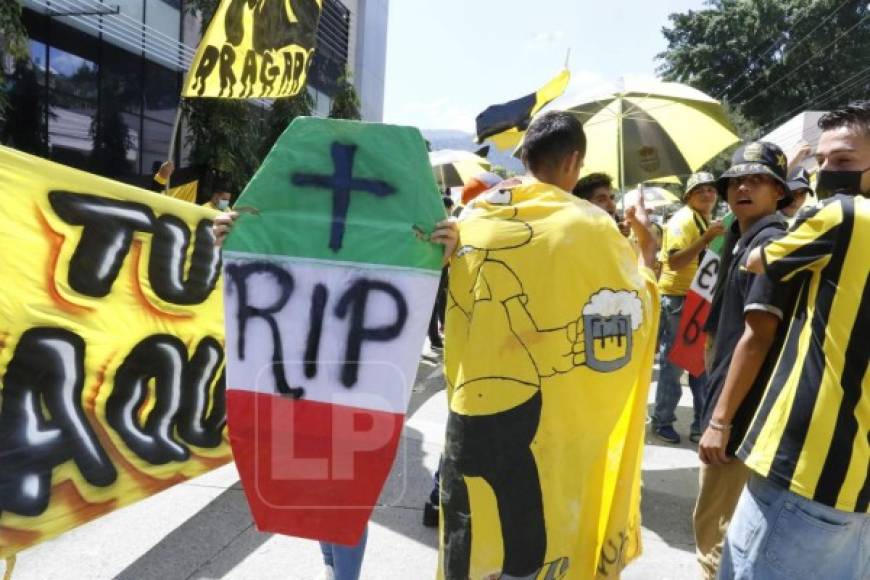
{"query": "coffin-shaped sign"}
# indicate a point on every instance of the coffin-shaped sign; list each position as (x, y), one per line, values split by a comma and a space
(330, 281)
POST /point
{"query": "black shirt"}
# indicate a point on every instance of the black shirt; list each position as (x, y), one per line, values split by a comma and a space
(737, 293)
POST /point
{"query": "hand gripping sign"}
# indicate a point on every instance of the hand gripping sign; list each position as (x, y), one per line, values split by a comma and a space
(328, 296)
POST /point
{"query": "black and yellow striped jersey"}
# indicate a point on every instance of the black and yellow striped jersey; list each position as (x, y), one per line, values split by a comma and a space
(811, 432)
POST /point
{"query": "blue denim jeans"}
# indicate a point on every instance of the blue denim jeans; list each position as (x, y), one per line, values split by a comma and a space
(776, 533)
(345, 561)
(669, 390)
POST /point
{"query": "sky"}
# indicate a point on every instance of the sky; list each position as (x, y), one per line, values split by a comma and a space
(447, 60)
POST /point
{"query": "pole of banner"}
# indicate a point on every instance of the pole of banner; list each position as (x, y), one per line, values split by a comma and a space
(175, 129)
(172, 142)
(10, 566)
(568, 58)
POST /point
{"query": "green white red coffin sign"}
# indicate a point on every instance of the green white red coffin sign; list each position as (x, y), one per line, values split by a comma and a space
(328, 292)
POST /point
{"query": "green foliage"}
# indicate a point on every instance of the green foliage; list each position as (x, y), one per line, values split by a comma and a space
(745, 128)
(13, 42)
(26, 129)
(112, 141)
(280, 116)
(772, 59)
(346, 104)
(502, 172)
(225, 138)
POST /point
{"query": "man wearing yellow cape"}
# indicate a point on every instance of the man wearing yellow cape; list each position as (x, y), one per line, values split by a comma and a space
(551, 328)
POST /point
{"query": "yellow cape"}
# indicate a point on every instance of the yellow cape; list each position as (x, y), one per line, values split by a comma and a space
(551, 331)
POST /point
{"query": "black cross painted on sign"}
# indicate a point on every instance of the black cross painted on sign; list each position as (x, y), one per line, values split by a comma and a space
(342, 183)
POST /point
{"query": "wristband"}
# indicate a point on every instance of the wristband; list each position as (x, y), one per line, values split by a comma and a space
(718, 426)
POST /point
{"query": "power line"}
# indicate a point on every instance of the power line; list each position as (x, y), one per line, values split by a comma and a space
(770, 49)
(806, 62)
(827, 96)
(835, 91)
(795, 43)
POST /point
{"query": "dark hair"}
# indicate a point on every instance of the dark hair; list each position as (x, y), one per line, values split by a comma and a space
(856, 114)
(590, 183)
(551, 138)
(220, 185)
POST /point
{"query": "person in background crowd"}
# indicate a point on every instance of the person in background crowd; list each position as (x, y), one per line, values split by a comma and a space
(686, 236)
(659, 234)
(220, 199)
(804, 512)
(745, 324)
(597, 189)
(799, 185)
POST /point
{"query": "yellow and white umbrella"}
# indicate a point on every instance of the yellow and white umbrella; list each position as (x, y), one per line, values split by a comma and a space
(455, 168)
(647, 130)
(653, 197)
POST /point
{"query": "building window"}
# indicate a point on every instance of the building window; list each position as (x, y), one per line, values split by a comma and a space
(330, 56)
(96, 101)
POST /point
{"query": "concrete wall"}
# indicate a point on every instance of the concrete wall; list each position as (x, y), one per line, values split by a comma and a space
(368, 54)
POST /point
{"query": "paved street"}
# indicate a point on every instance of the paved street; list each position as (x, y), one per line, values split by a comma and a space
(201, 529)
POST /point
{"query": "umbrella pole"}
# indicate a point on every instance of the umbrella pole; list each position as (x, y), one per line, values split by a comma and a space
(620, 147)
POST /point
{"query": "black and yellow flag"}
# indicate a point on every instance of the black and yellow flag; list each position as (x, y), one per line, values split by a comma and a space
(505, 123)
(254, 49)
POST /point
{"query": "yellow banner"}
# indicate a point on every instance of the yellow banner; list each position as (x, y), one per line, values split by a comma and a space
(254, 49)
(551, 330)
(111, 347)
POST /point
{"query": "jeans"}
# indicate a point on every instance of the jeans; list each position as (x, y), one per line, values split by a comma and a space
(669, 390)
(345, 561)
(777, 534)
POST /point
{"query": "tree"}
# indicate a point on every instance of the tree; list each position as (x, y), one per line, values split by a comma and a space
(13, 43)
(771, 59)
(224, 138)
(112, 141)
(25, 125)
(346, 103)
(280, 116)
(745, 128)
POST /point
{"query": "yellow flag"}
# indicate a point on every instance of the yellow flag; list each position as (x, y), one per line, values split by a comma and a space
(111, 347)
(548, 362)
(255, 49)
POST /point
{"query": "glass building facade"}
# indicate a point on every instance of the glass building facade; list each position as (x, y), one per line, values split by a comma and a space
(101, 88)
(101, 100)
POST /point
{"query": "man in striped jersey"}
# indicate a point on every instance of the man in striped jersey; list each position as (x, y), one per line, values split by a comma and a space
(804, 511)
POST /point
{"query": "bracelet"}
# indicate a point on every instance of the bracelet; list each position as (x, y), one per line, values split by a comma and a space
(718, 426)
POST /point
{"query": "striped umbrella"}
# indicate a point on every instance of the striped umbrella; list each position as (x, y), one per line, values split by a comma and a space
(648, 129)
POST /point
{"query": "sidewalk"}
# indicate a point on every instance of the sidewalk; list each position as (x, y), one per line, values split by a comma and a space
(201, 529)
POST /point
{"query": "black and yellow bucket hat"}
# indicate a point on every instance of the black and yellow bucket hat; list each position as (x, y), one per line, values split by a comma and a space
(757, 158)
(697, 180)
